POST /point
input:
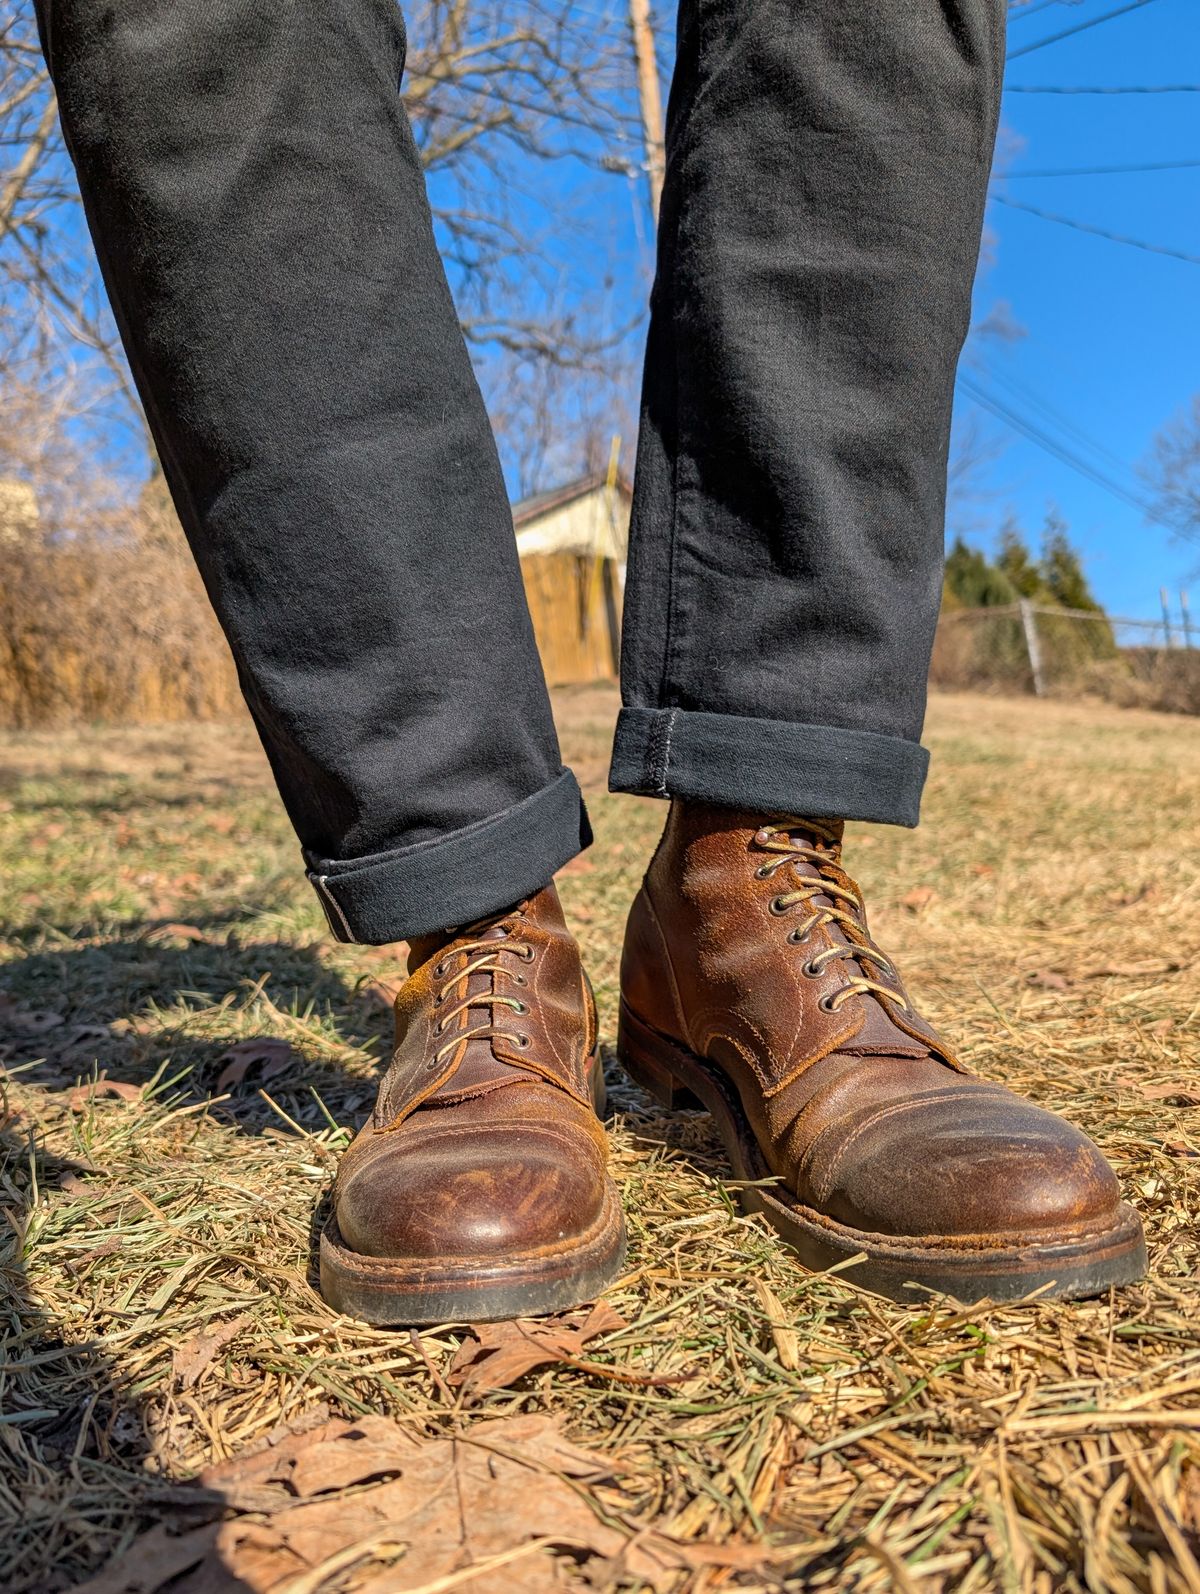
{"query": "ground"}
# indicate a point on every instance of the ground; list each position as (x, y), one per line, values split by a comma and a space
(160, 1313)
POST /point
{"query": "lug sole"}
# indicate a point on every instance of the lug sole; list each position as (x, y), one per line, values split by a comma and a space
(893, 1266)
(420, 1292)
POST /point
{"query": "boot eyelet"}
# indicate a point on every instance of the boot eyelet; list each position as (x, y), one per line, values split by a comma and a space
(519, 979)
(527, 954)
(825, 1003)
(522, 1041)
(520, 1008)
(763, 872)
(439, 970)
(809, 971)
(777, 906)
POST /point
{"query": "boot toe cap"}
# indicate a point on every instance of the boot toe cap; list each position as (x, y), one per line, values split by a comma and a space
(993, 1169)
(439, 1199)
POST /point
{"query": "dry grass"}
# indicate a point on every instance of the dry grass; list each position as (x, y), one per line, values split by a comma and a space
(1046, 912)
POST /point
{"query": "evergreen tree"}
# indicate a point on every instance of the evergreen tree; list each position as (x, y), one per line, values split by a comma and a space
(1062, 568)
(1016, 562)
(973, 583)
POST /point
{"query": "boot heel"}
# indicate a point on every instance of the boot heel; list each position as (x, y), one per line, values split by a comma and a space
(645, 1057)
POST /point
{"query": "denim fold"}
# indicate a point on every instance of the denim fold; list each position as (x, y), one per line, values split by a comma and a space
(768, 766)
(455, 879)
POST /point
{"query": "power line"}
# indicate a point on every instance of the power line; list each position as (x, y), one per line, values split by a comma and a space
(1078, 27)
(1021, 12)
(1028, 396)
(1098, 232)
(1123, 88)
(1094, 171)
(1067, 456)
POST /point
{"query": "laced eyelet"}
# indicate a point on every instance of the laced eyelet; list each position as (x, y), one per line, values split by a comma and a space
(439, 1026)
(763, 872)
(439, 999)
(809, 971)
(439, 970)
(527, 954)
(777, 906)
(520, 1008)
(825, 1003)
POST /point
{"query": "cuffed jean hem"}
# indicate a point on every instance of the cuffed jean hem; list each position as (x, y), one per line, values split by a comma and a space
(454, 879)
(769, 766)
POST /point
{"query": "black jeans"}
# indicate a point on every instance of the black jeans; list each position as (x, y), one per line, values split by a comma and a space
(259, 212)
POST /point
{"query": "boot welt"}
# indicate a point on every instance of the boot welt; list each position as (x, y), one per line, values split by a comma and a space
(899, 1267)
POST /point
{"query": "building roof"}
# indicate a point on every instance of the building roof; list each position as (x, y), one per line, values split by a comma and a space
(529, 509)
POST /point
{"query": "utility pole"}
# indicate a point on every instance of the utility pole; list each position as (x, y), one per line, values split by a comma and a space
(650, 98)
(1032, 646)
(1166, 609)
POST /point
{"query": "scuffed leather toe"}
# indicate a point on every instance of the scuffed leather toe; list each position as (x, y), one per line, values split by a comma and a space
(439, 1196)
(975, 1163)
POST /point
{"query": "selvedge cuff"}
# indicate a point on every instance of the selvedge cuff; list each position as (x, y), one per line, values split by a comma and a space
(769, 766)
(454, 879)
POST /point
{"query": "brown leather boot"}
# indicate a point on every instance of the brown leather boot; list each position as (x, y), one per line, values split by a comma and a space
(750, 982)
(479, 1189)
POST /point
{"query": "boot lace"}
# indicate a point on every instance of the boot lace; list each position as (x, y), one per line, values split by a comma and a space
(779, 839)
(481, 956)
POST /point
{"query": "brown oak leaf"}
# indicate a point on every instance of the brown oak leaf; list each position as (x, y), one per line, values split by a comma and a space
(503, 1352)
(270, 1055)
(79, 1099)
(500, 1501)
(191, 1359)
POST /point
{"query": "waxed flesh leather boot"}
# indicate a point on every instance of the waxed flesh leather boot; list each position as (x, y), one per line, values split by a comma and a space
(750, 985)
(479, 1189)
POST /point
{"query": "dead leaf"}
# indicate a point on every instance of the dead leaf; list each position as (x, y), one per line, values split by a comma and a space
(504, 1352)
(32, 1020)
(176, 932)
(191, 1359)
(1047, 980)
(79, 1098)
(270, 1055)
(916, 899)
(502, 1497)
(1178, 1095)
(1143, 968)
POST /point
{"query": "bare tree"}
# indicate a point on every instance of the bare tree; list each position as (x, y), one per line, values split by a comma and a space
(495, 89)
(1172, 471)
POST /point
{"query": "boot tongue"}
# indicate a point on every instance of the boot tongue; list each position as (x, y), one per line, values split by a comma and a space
(422, 947)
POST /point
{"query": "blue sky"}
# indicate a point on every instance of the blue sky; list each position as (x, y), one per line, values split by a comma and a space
(1111, 334)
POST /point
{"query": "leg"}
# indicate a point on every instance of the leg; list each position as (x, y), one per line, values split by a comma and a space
(260, 216)
(259, 211)
(826, 177)
(826, 174)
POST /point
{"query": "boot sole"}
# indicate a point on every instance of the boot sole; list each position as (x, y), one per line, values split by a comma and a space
(897, 1267)
(419, 1292)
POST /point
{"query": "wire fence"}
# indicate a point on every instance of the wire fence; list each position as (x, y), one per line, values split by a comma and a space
(1046, 651)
